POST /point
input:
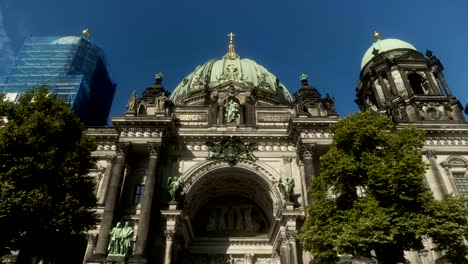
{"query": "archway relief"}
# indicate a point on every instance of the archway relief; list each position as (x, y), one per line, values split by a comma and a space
(254, 181)
(267, 175)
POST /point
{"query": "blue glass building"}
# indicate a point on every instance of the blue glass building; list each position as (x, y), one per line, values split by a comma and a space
(72, 67)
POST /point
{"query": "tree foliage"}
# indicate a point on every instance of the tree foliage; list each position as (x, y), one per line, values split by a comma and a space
(45, 197)
(370, 199)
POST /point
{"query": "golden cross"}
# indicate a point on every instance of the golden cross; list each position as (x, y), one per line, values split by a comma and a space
(231, 35)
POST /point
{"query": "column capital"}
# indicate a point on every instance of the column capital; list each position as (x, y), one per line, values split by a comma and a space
(169, 234)
(305, 150)
(109, 158)
(430, 154)
(154, 149)
(122, 148)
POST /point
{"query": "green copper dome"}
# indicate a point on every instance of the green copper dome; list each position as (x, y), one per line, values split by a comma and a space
(382, 46)
(215, 72)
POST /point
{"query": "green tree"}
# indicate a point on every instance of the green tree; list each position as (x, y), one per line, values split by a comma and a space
(370, 199)
(45, 198)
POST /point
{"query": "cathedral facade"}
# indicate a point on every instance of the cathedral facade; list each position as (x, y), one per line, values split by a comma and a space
(218, 171)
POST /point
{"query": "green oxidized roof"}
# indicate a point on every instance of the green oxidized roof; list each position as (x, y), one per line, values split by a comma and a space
(382, 46)
(230, 68)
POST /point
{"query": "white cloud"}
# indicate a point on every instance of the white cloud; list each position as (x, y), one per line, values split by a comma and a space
(7, 55)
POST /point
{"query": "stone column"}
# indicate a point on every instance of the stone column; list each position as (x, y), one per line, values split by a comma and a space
(309, 170)
(284, 250)
(393, 87)
(293, 247)
(435, 89)
(406, 83)
(385, 91)
(101, 194)
(441, 78)
(169, 242)
(146, 205)
(441, 189)
(171, 216)
(111, 201)
(89, 247)
(305, 194)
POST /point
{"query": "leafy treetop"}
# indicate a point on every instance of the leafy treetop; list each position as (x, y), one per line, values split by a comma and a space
(370, 199)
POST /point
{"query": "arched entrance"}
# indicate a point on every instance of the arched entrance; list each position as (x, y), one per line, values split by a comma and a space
(230, 213)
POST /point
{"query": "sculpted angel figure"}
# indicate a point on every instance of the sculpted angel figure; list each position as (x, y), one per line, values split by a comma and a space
(286, 187)
(175, 185)
(232, 111)
(132, 102)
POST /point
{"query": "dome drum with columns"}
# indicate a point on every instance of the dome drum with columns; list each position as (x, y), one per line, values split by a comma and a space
(219, 170)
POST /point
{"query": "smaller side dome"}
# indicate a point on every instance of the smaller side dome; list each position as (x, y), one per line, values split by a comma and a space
(383, 46)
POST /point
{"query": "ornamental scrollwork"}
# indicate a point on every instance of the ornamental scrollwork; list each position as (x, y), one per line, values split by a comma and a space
(231, 150)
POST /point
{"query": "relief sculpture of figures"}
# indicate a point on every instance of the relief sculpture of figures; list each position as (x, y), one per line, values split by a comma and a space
(232, 111)
(175, 186)
(286, 187)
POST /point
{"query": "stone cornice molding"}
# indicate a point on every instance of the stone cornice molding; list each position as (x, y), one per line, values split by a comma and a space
(446, 141)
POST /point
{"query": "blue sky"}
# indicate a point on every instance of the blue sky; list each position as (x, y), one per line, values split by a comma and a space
(324, 39)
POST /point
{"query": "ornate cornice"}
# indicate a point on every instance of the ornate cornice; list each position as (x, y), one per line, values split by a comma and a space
(446, 141)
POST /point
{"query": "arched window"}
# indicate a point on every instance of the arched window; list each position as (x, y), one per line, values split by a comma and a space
(416, 83)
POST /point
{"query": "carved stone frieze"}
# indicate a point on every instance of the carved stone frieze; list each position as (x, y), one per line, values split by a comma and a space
(231, 150)
(316, 133)
(106, 145)
(141, 133)
(441, 141)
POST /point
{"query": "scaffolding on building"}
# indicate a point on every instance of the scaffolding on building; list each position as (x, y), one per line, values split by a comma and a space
(65, 64)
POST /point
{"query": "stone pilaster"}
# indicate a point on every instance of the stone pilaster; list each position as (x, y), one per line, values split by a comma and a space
(307, 156)
(441, 78)
(102, 192)
(146, 205)
(441, 189)
(111, 201)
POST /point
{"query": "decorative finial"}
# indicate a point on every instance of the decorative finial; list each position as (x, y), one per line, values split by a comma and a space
(158, 77)
(376, 35)
(85, 33)
(304, 79)
(231, 52)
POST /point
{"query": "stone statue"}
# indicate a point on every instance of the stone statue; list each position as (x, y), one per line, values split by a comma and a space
(175, 186)
(160, 103)
(127, 239)
(121, 241)
(232, 111)
(329, 103)
(286, 187)
(132, 103)
(115, 246)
